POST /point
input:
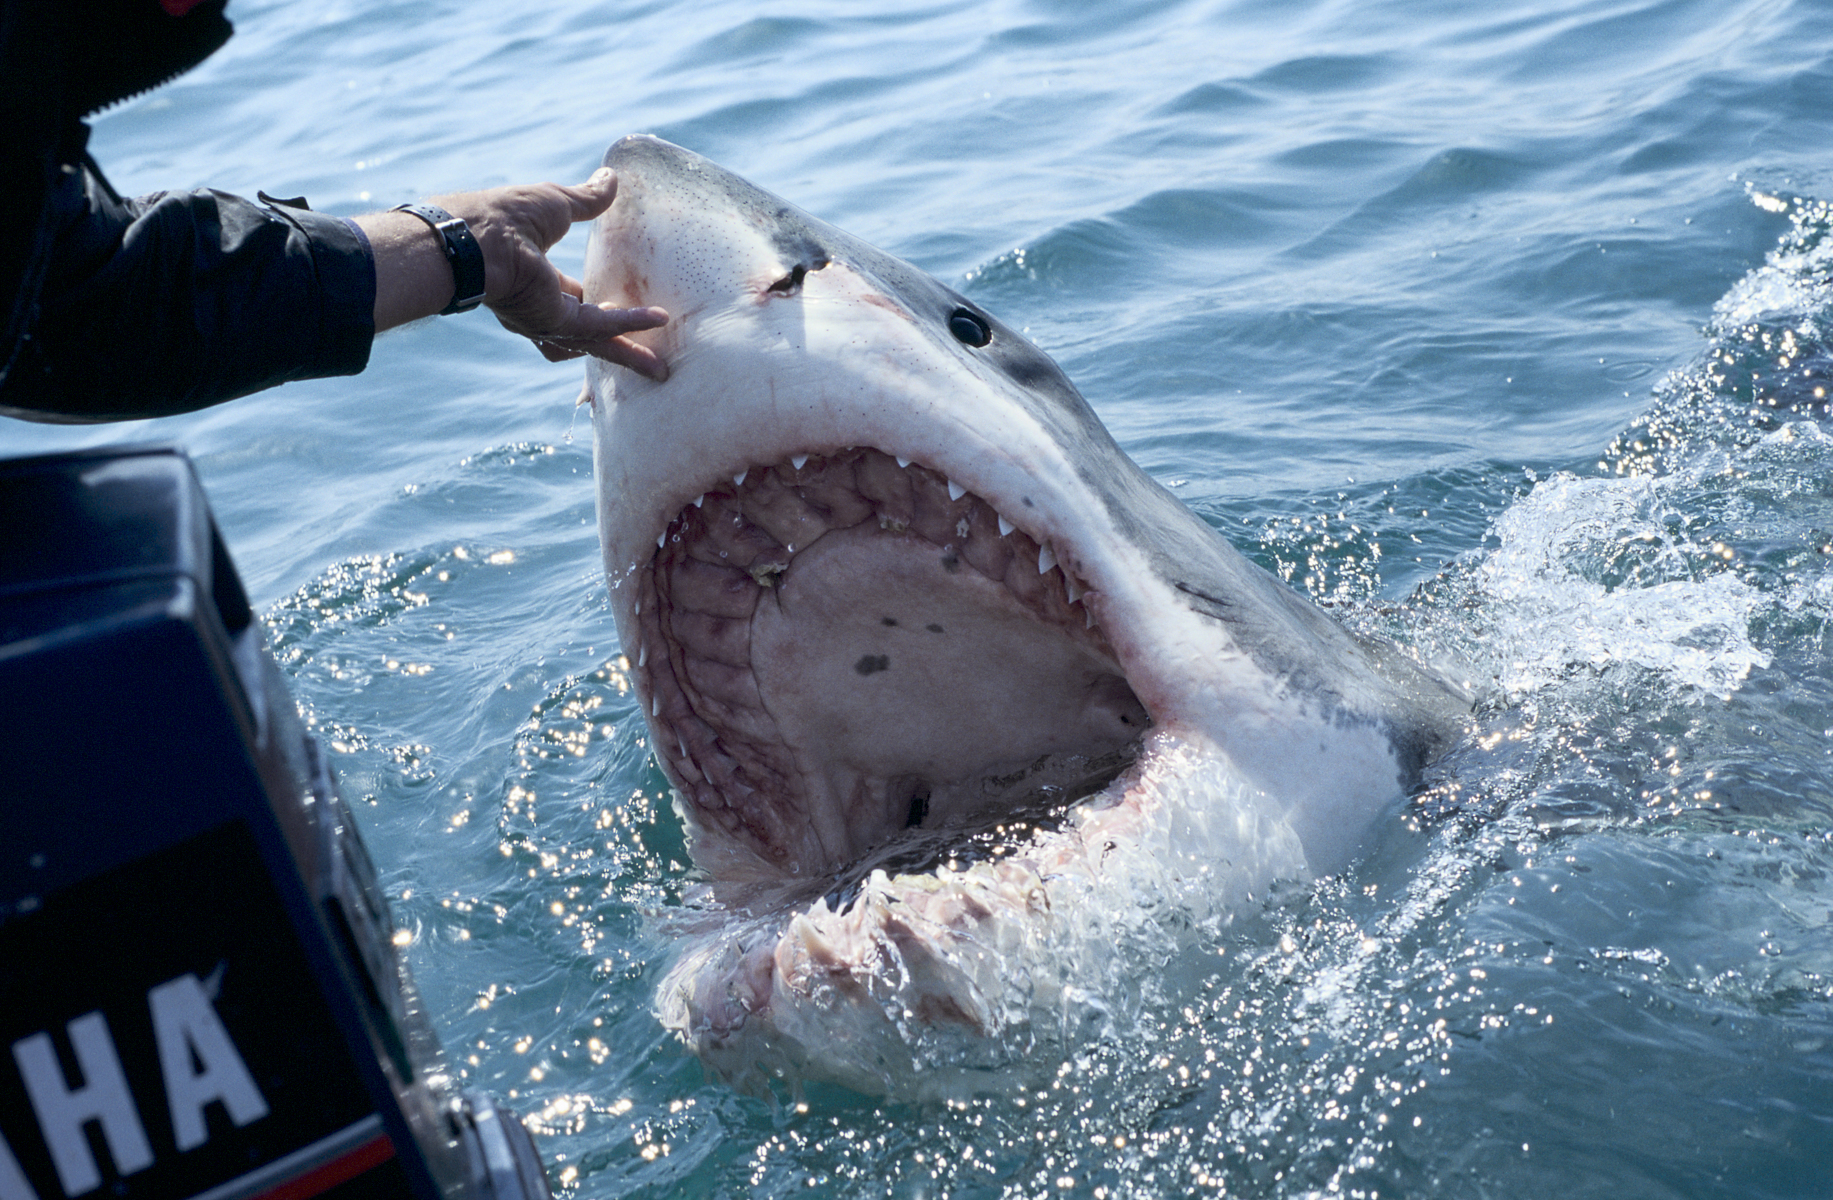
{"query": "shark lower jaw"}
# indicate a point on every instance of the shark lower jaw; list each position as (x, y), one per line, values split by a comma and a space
(946, 982)
(849, 656)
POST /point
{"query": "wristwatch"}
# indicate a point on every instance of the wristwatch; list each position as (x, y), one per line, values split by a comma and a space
(462, 251)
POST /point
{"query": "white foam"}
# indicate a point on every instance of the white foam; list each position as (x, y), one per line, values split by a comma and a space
(1551, 615)
(1792, 282)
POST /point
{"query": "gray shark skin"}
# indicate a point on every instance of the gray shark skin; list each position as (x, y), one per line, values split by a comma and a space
(885, 584)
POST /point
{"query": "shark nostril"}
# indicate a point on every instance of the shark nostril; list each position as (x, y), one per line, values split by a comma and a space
(969, 327)
(791, 283)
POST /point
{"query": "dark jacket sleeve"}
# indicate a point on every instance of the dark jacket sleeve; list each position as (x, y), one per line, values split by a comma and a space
(179, 300)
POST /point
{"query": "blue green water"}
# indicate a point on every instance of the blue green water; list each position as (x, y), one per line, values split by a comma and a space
(1497, 327)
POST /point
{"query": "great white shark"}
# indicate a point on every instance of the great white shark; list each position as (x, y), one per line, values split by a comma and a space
(955, 698)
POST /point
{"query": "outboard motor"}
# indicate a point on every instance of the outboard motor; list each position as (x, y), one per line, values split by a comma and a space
(200, 995)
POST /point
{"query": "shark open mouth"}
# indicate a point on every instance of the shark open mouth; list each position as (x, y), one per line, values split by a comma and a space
(839, 648)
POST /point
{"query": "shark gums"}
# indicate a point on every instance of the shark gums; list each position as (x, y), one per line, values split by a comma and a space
(968, 718)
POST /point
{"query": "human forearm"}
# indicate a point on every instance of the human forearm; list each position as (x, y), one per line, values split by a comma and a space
(412, 277)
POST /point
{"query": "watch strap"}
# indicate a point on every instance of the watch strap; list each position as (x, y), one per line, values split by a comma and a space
(462, 252)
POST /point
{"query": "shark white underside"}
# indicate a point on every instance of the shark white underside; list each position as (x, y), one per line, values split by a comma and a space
(893, 600)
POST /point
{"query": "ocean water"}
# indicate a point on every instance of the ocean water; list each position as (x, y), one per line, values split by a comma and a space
(1502, 329)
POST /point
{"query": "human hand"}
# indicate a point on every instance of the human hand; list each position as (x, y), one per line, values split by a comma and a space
(514, 226)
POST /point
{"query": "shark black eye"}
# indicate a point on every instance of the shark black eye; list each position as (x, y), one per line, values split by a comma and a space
(969, 328)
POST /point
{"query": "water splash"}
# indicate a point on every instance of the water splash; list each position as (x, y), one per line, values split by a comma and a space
(1596, 573)
(976, 976)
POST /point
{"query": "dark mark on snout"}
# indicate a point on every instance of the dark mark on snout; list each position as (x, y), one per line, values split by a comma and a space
(933, 628)
(890, 621)
(791, 283)
(871, 663)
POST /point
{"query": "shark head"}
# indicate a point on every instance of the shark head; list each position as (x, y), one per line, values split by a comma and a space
(928, 659)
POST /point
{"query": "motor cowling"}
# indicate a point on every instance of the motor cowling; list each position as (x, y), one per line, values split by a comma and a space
(200, 994)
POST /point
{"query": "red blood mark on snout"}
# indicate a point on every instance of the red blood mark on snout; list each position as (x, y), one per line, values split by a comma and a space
(886, 303)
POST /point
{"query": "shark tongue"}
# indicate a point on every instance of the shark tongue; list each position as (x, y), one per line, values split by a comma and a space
(895, 671)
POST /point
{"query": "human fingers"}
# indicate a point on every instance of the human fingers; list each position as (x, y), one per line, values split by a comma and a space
(599, 330)
(507, 221)
(621, 351)
(553, 353)
(579, 321)
(593, 196)
(544, 212)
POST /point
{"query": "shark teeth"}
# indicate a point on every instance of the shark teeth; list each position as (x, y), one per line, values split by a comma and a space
(642, 655)
(813, 940)
(766, 576)
(685, 531)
